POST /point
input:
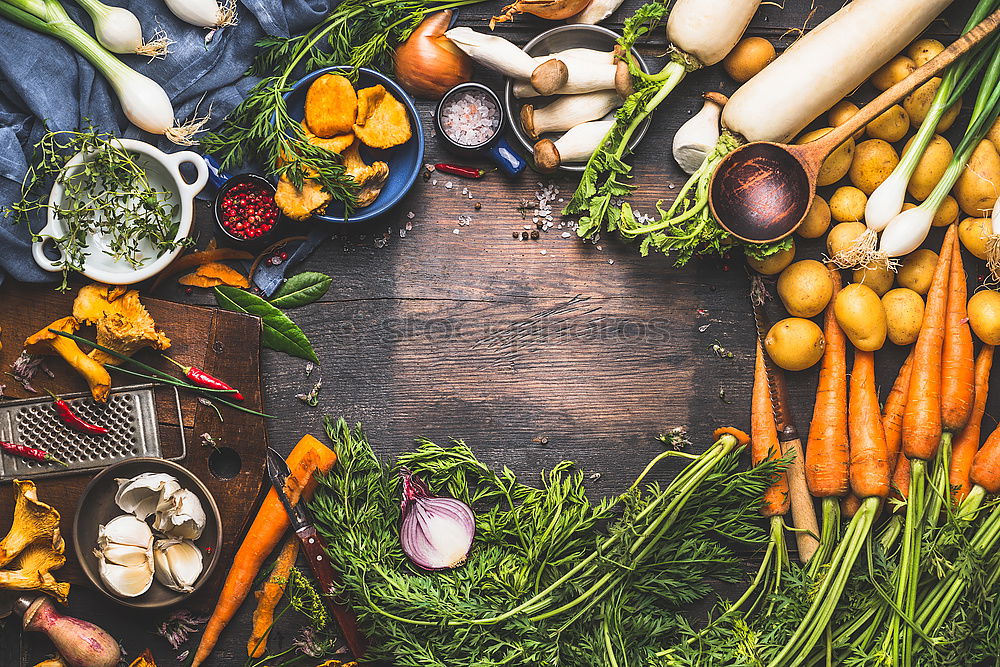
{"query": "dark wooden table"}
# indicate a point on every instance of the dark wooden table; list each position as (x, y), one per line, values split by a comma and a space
(530, 351)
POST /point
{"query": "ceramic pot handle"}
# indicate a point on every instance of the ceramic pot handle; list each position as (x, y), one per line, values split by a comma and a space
(189, 190)
(504, 155)
(38, 252)
(81, 644)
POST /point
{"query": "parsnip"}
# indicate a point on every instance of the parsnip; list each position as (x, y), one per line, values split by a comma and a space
(824, 66)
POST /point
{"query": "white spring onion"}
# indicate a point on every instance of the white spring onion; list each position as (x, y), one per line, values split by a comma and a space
(698, 136)
(993, 243)
(886, 201)
(204, 13)
(144, 102)
(119, 31)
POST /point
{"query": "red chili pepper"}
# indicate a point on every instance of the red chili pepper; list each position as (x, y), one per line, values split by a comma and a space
(28, 452)
(459, 170)
(203, 379)
(73, 420)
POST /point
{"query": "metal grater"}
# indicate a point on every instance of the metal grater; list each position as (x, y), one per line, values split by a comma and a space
(129, 416)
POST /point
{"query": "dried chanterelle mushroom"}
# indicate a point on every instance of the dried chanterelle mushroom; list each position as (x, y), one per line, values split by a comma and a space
(33, 570)
(371, 177)
(44, 342)
(123, 323)
(34, 546)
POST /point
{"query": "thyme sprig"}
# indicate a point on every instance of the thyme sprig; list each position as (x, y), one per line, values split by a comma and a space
(108, 195)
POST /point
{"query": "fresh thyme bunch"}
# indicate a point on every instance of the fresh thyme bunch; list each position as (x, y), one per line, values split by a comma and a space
(553, 578)
(108, 194)
(357, 33)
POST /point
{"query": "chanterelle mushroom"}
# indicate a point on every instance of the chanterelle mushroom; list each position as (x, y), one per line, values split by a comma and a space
(123, 323)
(370, 177)
(34, 521)
(47, 343)
(33, 573)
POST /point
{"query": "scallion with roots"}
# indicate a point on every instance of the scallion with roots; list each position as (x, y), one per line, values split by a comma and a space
(204, 13)
(119, 31)
(144, 101)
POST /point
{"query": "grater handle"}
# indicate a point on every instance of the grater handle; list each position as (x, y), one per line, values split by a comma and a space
(80, 643)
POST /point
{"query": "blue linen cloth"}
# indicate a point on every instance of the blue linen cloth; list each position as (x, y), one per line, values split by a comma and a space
(42, 78)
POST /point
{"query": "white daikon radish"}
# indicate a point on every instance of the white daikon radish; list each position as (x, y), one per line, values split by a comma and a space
(709, 29)
(577, 145)
(823, 66)
(595, 12)
(568, 111)
(204, 13)
(698, 136)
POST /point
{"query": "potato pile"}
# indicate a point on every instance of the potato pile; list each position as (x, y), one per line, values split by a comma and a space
(880, 303)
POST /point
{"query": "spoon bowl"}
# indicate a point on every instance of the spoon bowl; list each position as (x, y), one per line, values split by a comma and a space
(761, 192)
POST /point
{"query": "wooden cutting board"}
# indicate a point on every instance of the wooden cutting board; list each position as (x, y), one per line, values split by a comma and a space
(223, 343)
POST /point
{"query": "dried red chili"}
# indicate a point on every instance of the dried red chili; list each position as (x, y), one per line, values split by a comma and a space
(30, 453)
(203, 379)
(73, 420)
(459, 170)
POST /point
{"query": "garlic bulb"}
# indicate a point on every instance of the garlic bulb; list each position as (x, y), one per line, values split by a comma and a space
(698, 136)
(178, 564)
(125, 550)
(180, 515)
(142, 494)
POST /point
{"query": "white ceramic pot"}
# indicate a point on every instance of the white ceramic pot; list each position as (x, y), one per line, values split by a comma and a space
(164, 174)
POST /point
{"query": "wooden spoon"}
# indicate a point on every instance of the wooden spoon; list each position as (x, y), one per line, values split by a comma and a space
(761, 191)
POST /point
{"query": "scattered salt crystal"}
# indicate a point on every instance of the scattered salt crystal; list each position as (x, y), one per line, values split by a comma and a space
(527, 226)
(429, 167)
(566, 235)
(434, 182)
(465, 191)
(599, 247)
(611, 261)
(448, 185)
(409, 226)
(402, 233)
(454, 231)
(545, 252)
(410, 215)
(704, 327)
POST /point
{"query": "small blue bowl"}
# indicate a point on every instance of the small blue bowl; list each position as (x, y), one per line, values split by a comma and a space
(405, 161)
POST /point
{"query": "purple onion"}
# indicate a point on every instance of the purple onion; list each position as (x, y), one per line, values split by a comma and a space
(436, 533)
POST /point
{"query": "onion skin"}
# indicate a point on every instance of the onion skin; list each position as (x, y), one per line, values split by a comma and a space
(554, 10)
(428, 64)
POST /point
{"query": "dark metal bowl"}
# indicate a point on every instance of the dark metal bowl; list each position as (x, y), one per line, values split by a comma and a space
(266, 239)
(97, 506)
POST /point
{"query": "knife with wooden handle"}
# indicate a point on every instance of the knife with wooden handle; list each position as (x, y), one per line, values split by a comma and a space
(803, 509)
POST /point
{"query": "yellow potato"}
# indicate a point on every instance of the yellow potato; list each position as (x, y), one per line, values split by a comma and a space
(919, 101)
(817, 219)
(805, 288)
(879, 278)
(972, 232)
(847, 204)
(873, 161)
(893, 72)
(774, 263)
(794, 343)
(978, 187)
(923, 50)
(747, 58)
(836, 165)
(930, 168)
(994, 134)
(891, 125)
(984, 316)
(860, 314)
(904, 313)
(842, 237)
(840, 113)
(916, 271)
(947, 213)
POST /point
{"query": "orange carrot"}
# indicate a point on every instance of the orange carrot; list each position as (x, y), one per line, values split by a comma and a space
(901, 476)
(869, 460)
(269, 595)
(742, 437)
(985, 470)
(764, 438)
(922, 417)
(309, 457)
(892, 413)
(966, 443)
(957, 384)
(826, 450)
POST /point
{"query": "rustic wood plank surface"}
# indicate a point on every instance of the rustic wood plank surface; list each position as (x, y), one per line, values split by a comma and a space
(530, 351)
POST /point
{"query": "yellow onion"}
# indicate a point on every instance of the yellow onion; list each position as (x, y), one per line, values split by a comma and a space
(554, 10)
(428, 64)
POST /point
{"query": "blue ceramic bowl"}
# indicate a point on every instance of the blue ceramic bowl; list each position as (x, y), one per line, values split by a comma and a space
(405, 161)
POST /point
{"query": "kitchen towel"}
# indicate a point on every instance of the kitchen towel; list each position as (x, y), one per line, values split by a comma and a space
(44, 81)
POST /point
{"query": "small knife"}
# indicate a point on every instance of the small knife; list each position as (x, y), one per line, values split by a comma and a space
(81, 644)
(803, 509)
(269, 277)
(315, 551)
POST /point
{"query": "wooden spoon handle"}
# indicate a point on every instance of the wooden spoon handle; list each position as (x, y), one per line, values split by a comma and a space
(802, 507)
(829, 142)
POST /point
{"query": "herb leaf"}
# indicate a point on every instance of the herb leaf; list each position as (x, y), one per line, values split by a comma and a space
(280, 333)
(301, 289)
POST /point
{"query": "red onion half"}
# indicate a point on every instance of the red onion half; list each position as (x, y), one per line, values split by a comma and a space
(436, 533)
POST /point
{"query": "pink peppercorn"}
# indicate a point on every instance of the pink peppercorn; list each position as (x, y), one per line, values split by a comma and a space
(248, 210)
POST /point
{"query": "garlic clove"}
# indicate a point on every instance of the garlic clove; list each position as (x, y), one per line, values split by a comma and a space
(180, 515)
(141, 494)
(125, 530)
(696, 138)
(124, 555)
(178, 564)
(128, 582)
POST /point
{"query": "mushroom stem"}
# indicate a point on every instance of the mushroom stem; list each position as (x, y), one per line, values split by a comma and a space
(567, 112)
(95, 374)
(577, 145)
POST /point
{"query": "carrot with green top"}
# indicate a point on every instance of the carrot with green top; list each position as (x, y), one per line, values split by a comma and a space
(966, 442)
(957, 366)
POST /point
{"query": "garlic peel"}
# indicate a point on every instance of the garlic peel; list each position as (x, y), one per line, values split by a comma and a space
(180, 515)
(178, 564)
(141, 494)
